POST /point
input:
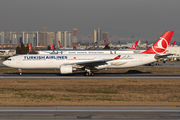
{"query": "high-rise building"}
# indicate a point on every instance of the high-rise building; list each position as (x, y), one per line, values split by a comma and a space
(105, 36)
(16, 37)
(30, 38)
(6, 37)
(2, 38)
(46, 38)
(67, 39)
(50, 38)
(36, 38)
(95, 35)
(59, 37)
(99, 34)
(42, 38)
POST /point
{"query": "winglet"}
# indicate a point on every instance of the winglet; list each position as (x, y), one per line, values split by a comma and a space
(160, 46)
(117, 57)
(134, 45)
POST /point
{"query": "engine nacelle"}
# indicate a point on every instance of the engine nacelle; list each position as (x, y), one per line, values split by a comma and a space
(65, 69)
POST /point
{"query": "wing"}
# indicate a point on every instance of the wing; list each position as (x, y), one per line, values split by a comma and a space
(94, 62)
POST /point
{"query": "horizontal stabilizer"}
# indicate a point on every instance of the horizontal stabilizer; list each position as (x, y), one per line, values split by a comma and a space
(158, 56)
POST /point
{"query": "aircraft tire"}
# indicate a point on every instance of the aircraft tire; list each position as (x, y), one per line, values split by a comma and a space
(86, 74)
(92, 74)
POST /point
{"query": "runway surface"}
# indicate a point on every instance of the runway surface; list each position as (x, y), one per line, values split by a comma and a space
(136, 75)
(81, 76)
(87, 112)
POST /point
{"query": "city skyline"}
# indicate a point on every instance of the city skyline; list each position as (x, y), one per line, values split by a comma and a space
(124, 18)
(36, 38)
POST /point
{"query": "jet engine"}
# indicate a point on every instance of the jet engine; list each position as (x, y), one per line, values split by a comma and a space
(65, 69)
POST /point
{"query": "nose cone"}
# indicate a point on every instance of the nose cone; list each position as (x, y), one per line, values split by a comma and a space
(5, 63)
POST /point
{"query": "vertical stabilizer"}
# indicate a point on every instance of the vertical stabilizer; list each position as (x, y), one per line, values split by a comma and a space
(60, 44)
(134, 45)
(160, 46)
(105, 42)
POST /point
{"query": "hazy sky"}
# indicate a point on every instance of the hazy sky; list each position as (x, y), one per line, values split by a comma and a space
(121, 17)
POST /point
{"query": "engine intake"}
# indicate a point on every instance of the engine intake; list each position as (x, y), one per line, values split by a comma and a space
(65, 69)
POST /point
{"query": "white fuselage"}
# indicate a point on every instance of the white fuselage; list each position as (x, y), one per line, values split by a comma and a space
(54, 61)
(86, 51)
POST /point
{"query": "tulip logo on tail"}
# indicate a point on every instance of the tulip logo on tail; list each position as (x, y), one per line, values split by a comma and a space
(161, 44)
(134, 45)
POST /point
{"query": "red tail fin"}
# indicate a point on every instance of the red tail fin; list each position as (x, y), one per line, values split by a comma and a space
(60, 44)
(134, 45)
(161, 44)
(172, 44)
(52, 48)
(105, 42)
(30, 47)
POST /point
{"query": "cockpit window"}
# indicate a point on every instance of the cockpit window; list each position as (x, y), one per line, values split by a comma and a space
(9, 59)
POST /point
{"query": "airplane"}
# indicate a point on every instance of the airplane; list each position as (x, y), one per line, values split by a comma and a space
(30, 47)
(60, 44)
(67, 63)
(61, 47)
(172, 44)
(144, 45)
(98, 51)
(133, 47)
(106, 42)
(52, 48)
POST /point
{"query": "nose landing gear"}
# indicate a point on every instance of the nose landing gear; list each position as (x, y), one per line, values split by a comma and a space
(20, 72)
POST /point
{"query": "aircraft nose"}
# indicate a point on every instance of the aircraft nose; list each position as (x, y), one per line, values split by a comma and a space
(5, 63)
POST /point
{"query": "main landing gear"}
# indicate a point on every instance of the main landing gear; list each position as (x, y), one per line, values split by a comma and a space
(88, 72)
(20, 72)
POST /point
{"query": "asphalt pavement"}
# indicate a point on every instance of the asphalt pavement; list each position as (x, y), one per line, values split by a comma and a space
(81, 76)
(91, 112)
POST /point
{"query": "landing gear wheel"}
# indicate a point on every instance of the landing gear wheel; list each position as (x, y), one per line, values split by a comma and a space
(20, 72)
(92, 74)
(86, 74)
